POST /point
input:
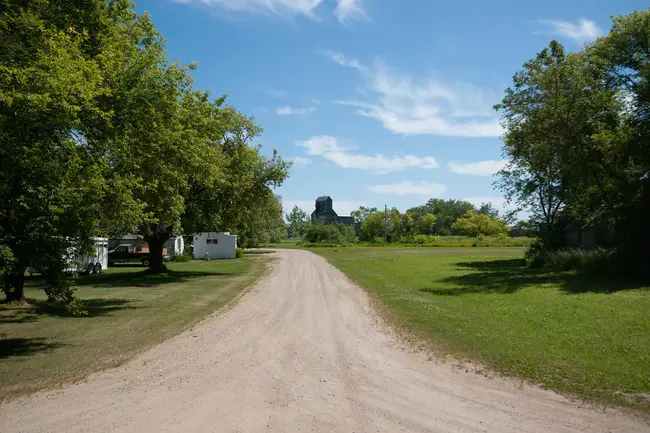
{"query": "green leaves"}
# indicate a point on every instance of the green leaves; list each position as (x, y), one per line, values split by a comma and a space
(475, 224)
(577, 134)
(101, 133)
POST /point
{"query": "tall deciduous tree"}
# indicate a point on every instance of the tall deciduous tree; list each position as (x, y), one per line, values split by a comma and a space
(625, 55)
(362, 213)
(445, 211)
(382, 224)
(57, 61)
(297, 222)
(426, 224)
(554, 117)
(476, 224)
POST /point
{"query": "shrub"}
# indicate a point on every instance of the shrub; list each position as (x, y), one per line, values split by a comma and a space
(420, 239)
(239, 253)
(181, 258)
(534, 254)
(598, 261)
(425, 239)
(317, 233)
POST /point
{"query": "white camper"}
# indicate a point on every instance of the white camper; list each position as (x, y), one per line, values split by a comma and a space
(91, 263)
(214, 245)
(175, 246)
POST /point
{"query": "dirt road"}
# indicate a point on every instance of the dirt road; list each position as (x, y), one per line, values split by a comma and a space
(300, 352)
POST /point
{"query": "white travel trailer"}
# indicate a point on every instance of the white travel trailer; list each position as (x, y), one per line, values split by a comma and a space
(91, 263)
(175, 246)
(214, 245)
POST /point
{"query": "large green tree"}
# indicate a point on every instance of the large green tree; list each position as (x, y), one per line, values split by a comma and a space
(362, 213)
(624, 54)
(297, 222)
(382, 225)
(189, 157)
(480, 224)
(555, 117)
(55, 75)
(445, 211)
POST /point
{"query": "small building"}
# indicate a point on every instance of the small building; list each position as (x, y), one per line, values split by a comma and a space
(325, 213)
(175, 246)
(214, 245)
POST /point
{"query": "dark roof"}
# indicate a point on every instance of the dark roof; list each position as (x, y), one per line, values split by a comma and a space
(323, 198)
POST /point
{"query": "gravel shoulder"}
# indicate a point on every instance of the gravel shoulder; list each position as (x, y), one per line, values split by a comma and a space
(301, 351)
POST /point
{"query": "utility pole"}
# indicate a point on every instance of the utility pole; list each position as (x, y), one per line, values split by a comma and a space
(385, 223)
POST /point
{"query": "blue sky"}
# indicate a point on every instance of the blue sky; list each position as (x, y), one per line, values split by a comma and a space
(376, 101)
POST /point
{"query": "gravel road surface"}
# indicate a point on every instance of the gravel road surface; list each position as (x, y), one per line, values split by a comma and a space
(302, 351)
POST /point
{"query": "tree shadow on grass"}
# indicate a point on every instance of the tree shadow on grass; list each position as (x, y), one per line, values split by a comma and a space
(17, 316)
(509, 276)
(14, 347)
(257, 252)
(144, 278)
(97, 307)
(32, 309)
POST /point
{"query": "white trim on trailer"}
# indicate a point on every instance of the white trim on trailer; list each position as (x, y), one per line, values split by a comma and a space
(90, 263)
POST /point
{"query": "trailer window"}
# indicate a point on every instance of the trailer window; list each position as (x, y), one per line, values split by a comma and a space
(212, 241)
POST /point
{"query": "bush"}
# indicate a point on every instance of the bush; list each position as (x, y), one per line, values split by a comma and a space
(239, 253)
(329, 233)
(598, 261)
(424, 239)
(181, 258)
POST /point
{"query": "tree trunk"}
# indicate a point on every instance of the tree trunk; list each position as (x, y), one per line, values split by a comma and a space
(16, 280)
(156, 252)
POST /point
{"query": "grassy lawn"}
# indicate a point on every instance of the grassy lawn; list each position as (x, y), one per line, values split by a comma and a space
(129, 311)
(568, 332)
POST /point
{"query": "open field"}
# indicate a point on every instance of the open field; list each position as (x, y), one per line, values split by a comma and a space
(570, 333)
(129, 310)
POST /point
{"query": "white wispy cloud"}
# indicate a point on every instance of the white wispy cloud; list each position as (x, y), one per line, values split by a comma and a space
(426, 189)
(349, 9)
(299, 160)
(343, 207)
(480, 168)
(292, 111)
(582, 31)
(328, 148)
(412, 105)
(344, 10)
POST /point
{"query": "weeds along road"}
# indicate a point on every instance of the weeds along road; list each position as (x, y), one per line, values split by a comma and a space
(301, 351)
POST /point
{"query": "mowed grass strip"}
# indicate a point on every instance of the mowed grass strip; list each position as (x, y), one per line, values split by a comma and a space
(590, 337)
(129, 310)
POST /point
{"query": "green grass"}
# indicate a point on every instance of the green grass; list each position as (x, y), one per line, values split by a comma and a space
(590, 337)
(129, 310)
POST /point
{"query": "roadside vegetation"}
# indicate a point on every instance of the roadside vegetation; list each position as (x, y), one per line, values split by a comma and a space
(435, 223)
(567, 331)
(129, 310)
(426, 241)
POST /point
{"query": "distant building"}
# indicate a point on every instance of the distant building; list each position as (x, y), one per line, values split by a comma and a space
(325, 213)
